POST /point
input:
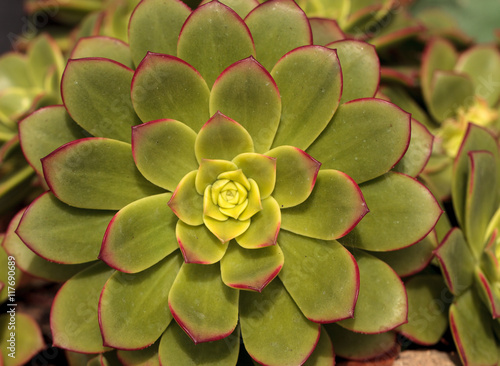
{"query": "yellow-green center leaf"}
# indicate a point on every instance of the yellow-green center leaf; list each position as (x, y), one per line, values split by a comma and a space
(208, 172)
(261, 168)
(186, 203)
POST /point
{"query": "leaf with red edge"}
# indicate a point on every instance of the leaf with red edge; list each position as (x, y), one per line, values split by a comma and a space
(96, 173)
(296, 173)
(241, 7)
(250, 269)
(198, 244)
(96, 93)
(202, 304)
(212, 38)
(164, 151)
(186, 203)
(164, 17)
(265, 318)
(105, 47)
(323, 354)
(488, 291)
(325, 31)
(236, 93)
(144, 357)
(321, 276)
(278, 26)
(335, 206)
(167, 87)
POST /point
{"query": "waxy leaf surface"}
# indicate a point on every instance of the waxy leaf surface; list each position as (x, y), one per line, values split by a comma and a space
(105, 47)
(264, 227)
(198, 244)
(186, 203)
(260, 168)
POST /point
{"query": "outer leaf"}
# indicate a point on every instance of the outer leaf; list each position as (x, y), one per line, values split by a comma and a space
(360, 69)
(278, 26)
(264, 227)
(401, 205)
(310, 83)
(164, 151)
(296, 173)
(260, 168)
(156, 17)
(198, 244)
(144, 357)
(419, 151)
(176, 348)
(202, 304)
(79, 330)
(45, 130)
(132, 312)
(26, 332)
(236, 93)
(242, 8)
(14, 71)
(96, 93)
(186, 203)
(356, 346)
(43, 55)
(382, 303)
(323, 271)
(334, 208)
(265, 317)
(106, 47)
(53, 230)
(365, 139)
(471, 329)
(140, 235)
(251, 269)
(212, 38)
(167, 87)
(323, 354)
(325, 31)
(480, 202)
(222, 138)
(95, 173)
(427, 312)
(31, 263)
(488, 292)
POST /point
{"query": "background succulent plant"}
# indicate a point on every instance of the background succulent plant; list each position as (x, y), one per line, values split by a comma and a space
(219, 110)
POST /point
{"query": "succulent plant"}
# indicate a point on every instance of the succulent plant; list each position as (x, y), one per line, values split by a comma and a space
(221, 190)
(469, 255)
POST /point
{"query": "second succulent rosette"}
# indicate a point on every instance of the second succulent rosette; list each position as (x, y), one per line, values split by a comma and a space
(258, 177)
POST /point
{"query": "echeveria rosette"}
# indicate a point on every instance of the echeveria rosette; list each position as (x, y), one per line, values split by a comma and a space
(216, 206)
(468, 255)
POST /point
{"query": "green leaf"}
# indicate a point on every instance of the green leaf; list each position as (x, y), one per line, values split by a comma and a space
(323, 354)
(208, 172)
(239, 90)
(325, 31)
(427, 309)
(382, 302)
(482, 64)
(202, 304)
(470, 324)
(405, 209)
(222, 138)
(143, 357)
(156, 17)
(105, 47)
(277, 27)
(96, 93)
(250, 269)
(164, 151)
(74, 321)
(44, 55)
(274, 330)
(14, 71)
(296, 173)
(410, 260)
(176, 348)
(31, 263)
(334, 208)
(264, 226)
(480, 201)
(242, 8)
(132, 307)
(357, 346)
(419, 151)
(27, 340)
(212, 38)
(260, 168)
(167, 87)
(310, 83)
(140, 235)
(457, 261)
(226, 230)
(365, 139)
(186, 203)
(96, 173)
(476, 138)
(450, 92)
(44, 131)
(321, 276)
(53, 230)
(360, 69)
(198, 244)
(488, 292)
